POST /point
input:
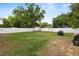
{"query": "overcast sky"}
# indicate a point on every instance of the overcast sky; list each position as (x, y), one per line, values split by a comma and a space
(52, 9)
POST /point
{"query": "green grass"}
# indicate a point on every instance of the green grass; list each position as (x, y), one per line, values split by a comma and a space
(29, 43)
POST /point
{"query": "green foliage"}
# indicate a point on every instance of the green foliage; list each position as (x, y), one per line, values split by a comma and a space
(70, 19)
(75, 15)
(30, 16)
(45, 24)
(1, 25)
(6, 23)
(61, 21)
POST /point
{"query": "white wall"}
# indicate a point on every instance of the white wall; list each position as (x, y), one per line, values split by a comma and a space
(13, 30)
(67, 30)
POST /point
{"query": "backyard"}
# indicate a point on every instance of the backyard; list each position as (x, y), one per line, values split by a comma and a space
(35, 43)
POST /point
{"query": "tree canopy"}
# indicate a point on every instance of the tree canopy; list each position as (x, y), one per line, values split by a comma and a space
(29, 15)
(70, 19)
(61, 21)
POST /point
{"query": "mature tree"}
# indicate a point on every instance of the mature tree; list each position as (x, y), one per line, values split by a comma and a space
(70, 19)
(61, 21)
(28, 16)
(74, 22)
(35, 13)
(20, 17)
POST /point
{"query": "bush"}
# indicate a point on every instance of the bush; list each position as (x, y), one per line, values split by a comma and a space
(1, 25)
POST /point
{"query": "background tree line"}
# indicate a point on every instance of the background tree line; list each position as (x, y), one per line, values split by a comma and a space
(29, 15)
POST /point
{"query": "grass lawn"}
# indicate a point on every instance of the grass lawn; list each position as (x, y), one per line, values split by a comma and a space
(27, 43)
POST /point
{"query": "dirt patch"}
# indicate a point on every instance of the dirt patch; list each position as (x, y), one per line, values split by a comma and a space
(60, 47)
(6, 46)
